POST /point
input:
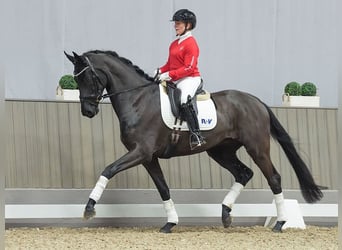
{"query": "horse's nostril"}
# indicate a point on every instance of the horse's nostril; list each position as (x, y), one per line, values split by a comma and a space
(88, 113)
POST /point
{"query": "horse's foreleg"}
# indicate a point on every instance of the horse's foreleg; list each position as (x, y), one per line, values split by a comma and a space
(131, 159)
(95, 195)
(172, 216)
(153, 168)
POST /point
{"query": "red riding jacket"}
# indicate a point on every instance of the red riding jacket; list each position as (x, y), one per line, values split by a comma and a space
(183, 58)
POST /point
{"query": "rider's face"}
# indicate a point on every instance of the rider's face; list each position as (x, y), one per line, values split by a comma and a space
(179, 27)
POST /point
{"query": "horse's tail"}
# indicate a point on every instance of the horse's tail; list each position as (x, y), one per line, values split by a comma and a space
(311, 192)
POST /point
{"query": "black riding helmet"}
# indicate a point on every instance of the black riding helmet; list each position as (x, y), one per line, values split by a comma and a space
(186, 16)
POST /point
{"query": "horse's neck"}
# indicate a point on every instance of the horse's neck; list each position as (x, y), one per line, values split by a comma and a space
(132, 104)
(132, 96)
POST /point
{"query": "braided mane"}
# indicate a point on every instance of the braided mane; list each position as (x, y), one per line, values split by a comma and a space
(122, 59)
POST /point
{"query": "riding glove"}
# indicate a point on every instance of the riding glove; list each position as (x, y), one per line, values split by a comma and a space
(164, 77)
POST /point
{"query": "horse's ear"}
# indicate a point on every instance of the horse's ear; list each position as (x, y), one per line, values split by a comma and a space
(70, 57)
(77, 57)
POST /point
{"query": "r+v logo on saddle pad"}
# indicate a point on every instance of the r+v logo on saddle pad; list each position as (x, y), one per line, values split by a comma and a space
(206, 121)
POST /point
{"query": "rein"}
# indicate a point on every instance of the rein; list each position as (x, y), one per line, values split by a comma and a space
(96, 78)
(126, 90)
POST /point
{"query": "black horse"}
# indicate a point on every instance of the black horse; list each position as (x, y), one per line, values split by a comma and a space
(242, 120)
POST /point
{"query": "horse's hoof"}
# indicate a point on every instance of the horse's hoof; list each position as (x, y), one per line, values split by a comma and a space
(167, 228)
(278, 227)
(89, 214)
(226, 218)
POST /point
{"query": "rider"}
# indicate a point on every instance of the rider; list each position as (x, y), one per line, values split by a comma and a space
(181, 68)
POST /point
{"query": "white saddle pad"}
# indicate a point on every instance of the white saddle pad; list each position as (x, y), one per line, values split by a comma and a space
(207, 117)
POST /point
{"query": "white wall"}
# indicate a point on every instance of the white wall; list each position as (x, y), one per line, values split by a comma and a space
(253, 46)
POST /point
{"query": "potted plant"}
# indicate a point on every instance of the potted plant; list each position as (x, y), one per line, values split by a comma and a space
(297, 95)
(292, 89)
(67, 88)
(308, 89)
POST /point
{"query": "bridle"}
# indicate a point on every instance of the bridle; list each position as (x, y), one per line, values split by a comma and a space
(96, 98)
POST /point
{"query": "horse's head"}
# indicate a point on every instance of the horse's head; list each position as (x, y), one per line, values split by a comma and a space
(91, 82)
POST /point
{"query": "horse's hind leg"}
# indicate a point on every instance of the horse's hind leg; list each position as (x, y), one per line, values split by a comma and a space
(261, 157)
(153, 168)
(241, 173)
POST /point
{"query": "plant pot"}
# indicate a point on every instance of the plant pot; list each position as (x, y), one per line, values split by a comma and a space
(300, 101)
(67, 94)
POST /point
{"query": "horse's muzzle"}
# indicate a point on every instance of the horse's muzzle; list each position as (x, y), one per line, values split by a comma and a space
(89, 110)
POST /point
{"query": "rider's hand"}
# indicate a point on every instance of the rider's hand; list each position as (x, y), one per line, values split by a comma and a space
(164, 77)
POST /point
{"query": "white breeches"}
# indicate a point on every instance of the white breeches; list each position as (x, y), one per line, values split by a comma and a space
(188, 86)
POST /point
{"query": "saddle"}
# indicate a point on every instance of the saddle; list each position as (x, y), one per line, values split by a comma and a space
(174, 95)
(170, 102)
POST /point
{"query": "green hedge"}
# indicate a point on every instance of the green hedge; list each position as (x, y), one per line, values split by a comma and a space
(295, 89)
(68, 82)
(308, 89)
(292, 88)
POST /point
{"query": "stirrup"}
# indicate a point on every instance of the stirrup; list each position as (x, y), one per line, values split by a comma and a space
(196, 141)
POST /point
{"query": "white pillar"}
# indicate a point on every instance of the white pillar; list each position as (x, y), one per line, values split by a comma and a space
(2, 157)
(339, 120)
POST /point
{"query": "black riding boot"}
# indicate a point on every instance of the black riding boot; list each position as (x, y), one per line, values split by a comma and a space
(190, 116)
